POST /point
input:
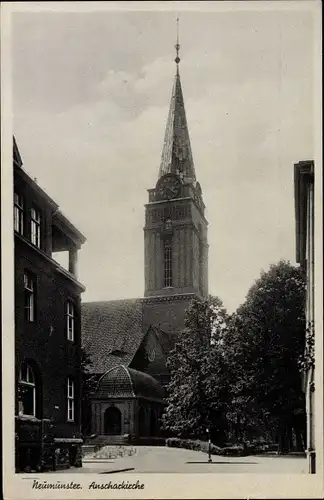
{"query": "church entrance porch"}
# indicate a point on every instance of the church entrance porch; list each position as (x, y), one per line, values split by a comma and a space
(127, 403)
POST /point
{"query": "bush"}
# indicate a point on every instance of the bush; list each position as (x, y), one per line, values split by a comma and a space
(236, 451)
(191, 444)
(196, 445)
(258, 446)
(148, 441)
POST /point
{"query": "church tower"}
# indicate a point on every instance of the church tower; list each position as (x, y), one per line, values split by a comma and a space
(175, 232)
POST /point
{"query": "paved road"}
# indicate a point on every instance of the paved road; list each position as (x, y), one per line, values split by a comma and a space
(163, 459)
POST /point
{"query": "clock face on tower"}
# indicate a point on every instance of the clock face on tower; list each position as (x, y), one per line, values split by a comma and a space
(168, 186)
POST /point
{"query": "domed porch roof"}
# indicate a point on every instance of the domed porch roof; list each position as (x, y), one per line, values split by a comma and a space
(124, 382)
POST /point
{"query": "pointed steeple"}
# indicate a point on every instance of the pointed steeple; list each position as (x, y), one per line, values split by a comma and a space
(176, 154)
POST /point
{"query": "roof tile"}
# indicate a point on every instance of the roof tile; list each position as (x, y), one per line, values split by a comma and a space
(112, 332)
(121, 382)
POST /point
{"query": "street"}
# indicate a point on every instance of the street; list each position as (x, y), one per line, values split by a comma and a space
(160, 459)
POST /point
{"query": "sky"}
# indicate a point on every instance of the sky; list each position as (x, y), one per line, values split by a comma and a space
(91, 93)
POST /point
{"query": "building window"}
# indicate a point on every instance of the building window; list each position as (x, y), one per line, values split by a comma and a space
(167, 264)
(35, 227)
(70, 321)
(27, 391)
(29, 289)
(19, 213)
(168, 225)
(70, 400)
(201, 267)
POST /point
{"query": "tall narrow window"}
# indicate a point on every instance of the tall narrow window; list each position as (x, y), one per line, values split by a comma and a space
(18, 213)
(70, 400)
(201, 267)
(167, 264)
(29, 289)
(27, 390)
(70, 320)
(35, 227)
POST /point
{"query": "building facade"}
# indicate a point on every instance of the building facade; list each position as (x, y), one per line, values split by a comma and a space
(47, 330)
(136, 335)
(304, 213)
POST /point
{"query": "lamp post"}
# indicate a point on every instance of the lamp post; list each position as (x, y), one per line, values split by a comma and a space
(209, 447)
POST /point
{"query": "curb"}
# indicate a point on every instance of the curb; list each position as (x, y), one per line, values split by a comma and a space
(99, 461)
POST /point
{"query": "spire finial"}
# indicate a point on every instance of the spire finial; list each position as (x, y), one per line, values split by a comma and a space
(177, 45)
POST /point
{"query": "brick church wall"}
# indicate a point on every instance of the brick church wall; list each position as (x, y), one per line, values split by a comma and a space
(166, 313)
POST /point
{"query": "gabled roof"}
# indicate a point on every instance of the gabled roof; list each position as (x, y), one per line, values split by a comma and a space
(165, 339)
(112, 332)
(16, 154)
(176, 154)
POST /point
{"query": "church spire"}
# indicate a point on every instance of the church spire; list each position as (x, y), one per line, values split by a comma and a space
(176, 154)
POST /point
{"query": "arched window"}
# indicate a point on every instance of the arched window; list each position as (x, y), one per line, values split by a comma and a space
(167, 264)
(27, 390)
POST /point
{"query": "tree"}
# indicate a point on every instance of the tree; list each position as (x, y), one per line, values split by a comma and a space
(195, 363)
(88, 385)
(219, 320)
(265, 339)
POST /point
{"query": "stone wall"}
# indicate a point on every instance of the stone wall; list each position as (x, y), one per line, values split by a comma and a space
(166, 312)
(36, 448)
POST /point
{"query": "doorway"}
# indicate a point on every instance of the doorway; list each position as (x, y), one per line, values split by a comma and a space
(112, 421)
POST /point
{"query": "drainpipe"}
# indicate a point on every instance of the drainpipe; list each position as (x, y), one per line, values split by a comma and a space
(311, 448)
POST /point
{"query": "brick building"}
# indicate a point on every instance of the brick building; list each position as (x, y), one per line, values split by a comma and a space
(47, 329)
(130, 339)
(305, 242)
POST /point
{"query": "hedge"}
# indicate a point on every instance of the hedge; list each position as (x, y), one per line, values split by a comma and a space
(148, 441)
(196, 445)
